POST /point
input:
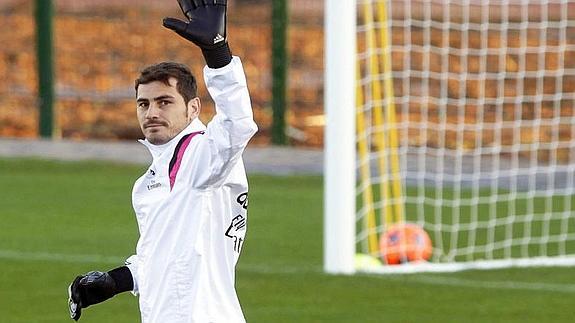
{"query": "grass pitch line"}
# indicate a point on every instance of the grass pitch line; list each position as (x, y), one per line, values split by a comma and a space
(509, 285)
(59, 257)
(72, 258)
(470, 283)
(262, 269)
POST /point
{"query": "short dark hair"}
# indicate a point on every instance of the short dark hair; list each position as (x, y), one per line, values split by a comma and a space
(162, 72)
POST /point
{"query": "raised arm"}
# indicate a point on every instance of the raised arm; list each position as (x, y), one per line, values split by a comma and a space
(232, 127)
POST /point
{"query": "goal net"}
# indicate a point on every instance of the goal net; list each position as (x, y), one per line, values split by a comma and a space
(464, 131)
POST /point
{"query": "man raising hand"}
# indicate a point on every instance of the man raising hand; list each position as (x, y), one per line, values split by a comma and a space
(191, 204)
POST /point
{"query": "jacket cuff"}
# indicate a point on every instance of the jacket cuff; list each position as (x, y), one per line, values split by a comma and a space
(217, 57)
(123, 278)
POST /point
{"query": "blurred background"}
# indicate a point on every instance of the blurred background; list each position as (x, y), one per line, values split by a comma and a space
(100, 46)
(484, 91)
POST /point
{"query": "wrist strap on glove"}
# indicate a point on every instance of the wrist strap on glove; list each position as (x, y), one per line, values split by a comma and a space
(217, 57)
(123, 278)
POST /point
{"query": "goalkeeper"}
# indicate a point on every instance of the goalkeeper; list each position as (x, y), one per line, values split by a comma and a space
(191, 204)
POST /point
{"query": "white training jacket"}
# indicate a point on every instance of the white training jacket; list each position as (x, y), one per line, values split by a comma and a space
(191, 207)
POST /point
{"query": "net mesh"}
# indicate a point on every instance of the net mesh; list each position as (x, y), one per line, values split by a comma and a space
(465, 126)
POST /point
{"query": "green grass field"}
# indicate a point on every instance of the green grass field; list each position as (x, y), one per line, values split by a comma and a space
(61, 219)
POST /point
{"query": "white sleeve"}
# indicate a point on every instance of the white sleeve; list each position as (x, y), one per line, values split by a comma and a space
(228, 133)
(132, 264)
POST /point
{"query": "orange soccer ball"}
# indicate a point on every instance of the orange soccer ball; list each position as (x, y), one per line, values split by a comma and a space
(405, 242)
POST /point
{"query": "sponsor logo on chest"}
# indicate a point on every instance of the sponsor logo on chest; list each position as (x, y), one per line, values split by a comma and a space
(153, 185)
(152, 182)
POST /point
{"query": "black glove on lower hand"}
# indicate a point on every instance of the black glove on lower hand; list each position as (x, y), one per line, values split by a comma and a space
(91, 288)
(206, 27)
(95, 287)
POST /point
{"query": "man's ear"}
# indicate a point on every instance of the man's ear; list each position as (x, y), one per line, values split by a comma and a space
(193, 108)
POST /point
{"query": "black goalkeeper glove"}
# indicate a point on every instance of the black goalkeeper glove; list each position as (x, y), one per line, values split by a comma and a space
(95, 287)
(206, 27)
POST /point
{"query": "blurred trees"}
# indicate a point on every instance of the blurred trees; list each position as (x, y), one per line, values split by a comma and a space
(494, 79)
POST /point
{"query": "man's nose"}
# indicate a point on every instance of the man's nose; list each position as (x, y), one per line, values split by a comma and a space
(153, 111)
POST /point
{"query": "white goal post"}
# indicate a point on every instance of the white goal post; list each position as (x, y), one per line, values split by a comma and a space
(457, 117)
(339, 149)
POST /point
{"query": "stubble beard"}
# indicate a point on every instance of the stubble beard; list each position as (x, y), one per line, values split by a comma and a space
(162, 136)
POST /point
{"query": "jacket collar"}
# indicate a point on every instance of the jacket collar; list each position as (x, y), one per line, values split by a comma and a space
(157, 150)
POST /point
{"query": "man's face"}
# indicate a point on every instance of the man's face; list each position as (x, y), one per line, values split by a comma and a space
(162, 112)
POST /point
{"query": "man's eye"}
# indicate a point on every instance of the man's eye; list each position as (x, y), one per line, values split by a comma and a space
(164, 102)
(143, 105)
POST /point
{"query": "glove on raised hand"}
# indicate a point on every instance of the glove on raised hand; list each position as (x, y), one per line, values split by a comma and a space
(205, 27)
